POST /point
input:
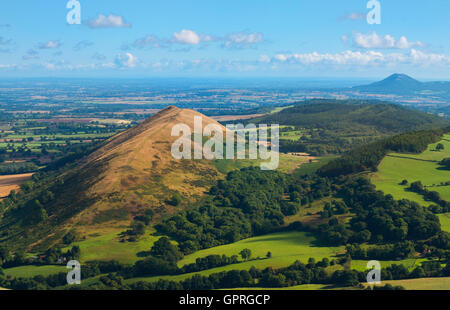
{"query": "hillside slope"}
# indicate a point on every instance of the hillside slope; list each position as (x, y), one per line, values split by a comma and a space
(130, 173)
(336, 126)
(345, 114)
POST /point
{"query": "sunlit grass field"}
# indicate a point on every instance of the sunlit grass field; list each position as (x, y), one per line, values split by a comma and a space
(422, 284)
(31, 271)
(445, 221)
(414, 167)
(108, 247)
(303, 287)
(285, 247)
(410, 263)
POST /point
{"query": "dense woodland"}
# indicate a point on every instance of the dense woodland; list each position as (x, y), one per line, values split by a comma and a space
(249, 202)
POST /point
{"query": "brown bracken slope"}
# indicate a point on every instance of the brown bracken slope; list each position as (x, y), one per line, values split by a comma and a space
(130, 173)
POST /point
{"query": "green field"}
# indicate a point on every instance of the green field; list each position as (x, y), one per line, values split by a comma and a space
(286, 248)
(107, 247)
(309, 168)
(303, 287)
(410, 263)
(422, 284)
(31, 271)
(445, 221)
(423, 167)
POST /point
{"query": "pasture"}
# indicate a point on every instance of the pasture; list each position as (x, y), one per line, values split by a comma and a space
(32, 271)
(410, 263)
(421, 284)
(285, 247)
(109, 247)
(445, 221)
(423, 167)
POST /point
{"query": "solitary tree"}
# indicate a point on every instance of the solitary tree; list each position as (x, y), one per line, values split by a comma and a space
(246, 254)
(440, 147)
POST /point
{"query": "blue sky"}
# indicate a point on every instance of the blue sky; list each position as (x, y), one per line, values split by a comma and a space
(139, 38)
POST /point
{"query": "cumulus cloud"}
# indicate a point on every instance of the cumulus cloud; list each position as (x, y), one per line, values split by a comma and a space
(189, 37)
(186, 37)
(361, 59)
(82, 45)
(243, 39)
(126, 60)
(50, 44)
(375, 41)
(110, 21)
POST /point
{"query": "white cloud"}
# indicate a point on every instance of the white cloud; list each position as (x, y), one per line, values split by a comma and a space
(110, 21)
(126, 60)
(186, 37)
(375, 41)
(243, 39)
(367, 58)
(50, 44)
(192, 38)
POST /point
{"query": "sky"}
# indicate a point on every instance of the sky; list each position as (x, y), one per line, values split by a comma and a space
(224, 38)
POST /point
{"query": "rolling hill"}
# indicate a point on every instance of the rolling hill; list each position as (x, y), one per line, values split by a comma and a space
(348, 114)
(129, 173)
(336, 126)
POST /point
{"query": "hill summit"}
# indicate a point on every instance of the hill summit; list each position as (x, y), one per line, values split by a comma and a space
(129, 173)
(395, 83)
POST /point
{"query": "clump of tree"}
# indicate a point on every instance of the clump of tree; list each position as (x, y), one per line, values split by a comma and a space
(445, 163)
(443, 206)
